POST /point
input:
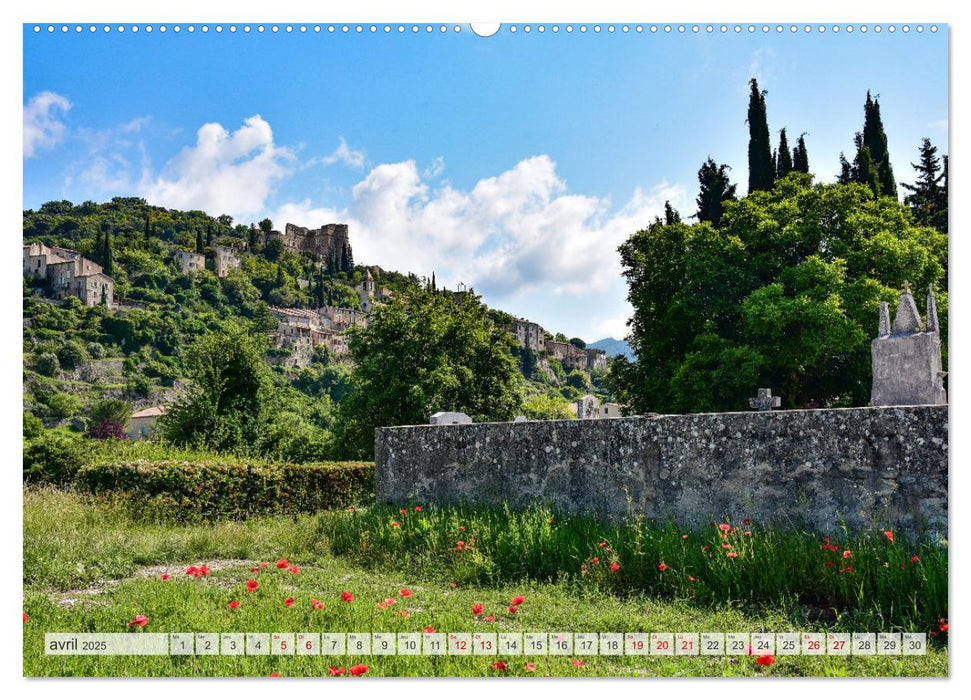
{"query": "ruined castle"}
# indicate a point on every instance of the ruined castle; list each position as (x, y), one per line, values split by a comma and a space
(323, 241)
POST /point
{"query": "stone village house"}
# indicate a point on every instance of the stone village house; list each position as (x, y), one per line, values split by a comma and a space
(68, 273)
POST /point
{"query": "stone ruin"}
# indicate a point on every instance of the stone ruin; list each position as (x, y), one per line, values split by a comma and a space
(320, 241)
(907, 365)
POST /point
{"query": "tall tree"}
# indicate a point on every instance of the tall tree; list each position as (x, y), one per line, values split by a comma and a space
(200, 245)
(928, 194)
(760, 167)
(800, 158)
(845, 175)
(208, 235)
(875, 139)
(783, 163)
(864, 170)
(108, 262)
(148, 227)
(715, 191)
(671, 215)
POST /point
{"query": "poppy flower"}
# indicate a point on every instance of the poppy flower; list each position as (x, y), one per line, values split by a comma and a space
(390, 601)
(316, 604)
(707, 547)
(273, 675)
(334, 671)
(192, 571)
(724, 527)
(282, 564)
(252, 586)
(459, 545)
(392, 525)
(454, 585)
(746, 522)
(578, 663)
(943, 626)
(25, 617)
(294, 569)
(429, 630)
(662, 566)
(747, 533)
(165, 577)
(903, 566)
(594, 560)
(382, 605)
(404, 511)
(358, 670)
(518, 600)
(350, 510)
(914, 559)
(765, 660)
(829, 563)
(347, 597)
(417, 509)
(888, 534)
(255, 570)
(692, 579)
(500, 666)
(513, 609)
(726, 546)
(491, 618)
(233, 605)
(403, 613)
(847, 554)
(288, 602)
(529, 668)
(139, 620)
(405, 593)
(614, 566)
(684, 537)
(203, 570)
(264, 564)
(461, 528)
(732, 555)
(477, 609)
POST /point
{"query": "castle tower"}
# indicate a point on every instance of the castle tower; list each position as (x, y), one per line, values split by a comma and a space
(907, 365)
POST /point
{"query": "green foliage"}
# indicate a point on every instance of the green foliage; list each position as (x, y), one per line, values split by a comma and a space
(875, 141)
(110, 411)
(547, 407)
(928, 195)
(33, 426)
(578, 380)
(63, 405)
(230, 489)
(761, 169)
(53, 457)
(783, 162)
(47, 364)
(71, 354)
(800, 157)
(422, 353)
(715, 191)
(786, 294)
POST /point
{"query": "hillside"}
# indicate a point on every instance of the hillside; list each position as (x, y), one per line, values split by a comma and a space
(614, 347)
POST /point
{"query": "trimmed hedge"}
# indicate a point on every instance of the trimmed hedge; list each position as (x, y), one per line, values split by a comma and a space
(238, 489)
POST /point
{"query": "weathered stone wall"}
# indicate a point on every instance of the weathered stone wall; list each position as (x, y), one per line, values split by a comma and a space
(870, 467)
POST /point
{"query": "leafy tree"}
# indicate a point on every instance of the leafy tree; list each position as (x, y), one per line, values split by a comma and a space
(422, 353)
(47, 364)
(273, 251)
(671, 215)
(63, 405)
(71, 354)
(783, 162)
(800, 158)
(33, 426)
(761, 170)
(875, 140)
(200, 244)
(547, 407)
(845, 175)
(928, 194)
(786, 294)
(715, 191)
(107, 258)
(577, 380)
(265, 225)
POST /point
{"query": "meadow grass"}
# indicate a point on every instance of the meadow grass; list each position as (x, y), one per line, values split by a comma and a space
(90, 567)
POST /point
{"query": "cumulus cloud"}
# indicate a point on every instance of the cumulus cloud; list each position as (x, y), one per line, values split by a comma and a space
(43, 125)
(344, 154)
(224, 172)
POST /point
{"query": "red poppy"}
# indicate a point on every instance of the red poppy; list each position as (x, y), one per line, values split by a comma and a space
(914, 559)
(829, 563)
(252, 586)
(594, 560)
(429, 630)
(847, 554)
(403, 613)
(255, 570)
(459, 545)
(614, 566)
(282, 564)
(888, 534)
(746, 522)
(491, 618)
(603, 544)
(461, 528)
(529, 668)
(390, 601)
(404, 511)
(500, 666)
(288, 602)
(350, 510)
(732, 555)
(454, 585)
(264, 564)
(382, 605)
(578, 663)
(747, 533)
(192, 571)
(165, 577)
(726, 546)
(513, 609)
(417, 509)
(294, 569)
(765, 660)
(724, 527)
(233, 605)
(334, 671)
(139, 620)
(477, 609)
(518, 600)
(274, 675)
(903, 566)
(707, 546)
(692, 579)
(943, 626)
(358, 670)
(25, 617)
(316, 604)
(392, 525)
(405, 593)
(347, 597)
(662, 566)
(203, 570)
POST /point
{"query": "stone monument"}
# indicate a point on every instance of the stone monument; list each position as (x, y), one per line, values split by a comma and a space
(449, 418)
(907, 366)
(765, 401)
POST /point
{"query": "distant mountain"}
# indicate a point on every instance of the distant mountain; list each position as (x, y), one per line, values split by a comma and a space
(613, 347)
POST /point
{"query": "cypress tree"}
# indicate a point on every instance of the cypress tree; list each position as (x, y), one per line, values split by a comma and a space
(280, 279)
(344, 266)
(845, 176)
(875, 140)
(208, 235)
(148, 227)
(760, 166)
(671, 215)
(800, 158)
(349, 252)
(109, 263)
(199, 246)
(928, 194)
(783, 163)
(715, 191)
(434, 286)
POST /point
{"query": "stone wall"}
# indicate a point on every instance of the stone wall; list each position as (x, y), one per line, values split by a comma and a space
(880, 467)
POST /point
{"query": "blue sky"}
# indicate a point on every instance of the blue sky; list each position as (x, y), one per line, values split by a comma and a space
(515, 163)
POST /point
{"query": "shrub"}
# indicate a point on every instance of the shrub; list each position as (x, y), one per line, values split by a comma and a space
(62, 405)
(110, 411)
(232, 489)
(47, 364)
(96, 350)
(54, 457)
(33, 426)
(71, 354)
(108, 430)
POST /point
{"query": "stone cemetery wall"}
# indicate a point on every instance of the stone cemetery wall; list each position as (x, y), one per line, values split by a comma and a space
(883, 467)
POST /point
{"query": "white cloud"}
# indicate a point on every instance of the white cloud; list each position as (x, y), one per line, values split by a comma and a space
(223, 172)
(434, 169)
(939, 124)
(343, 154)
(43, 128)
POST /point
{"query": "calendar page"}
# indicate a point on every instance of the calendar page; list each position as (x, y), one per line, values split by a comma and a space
(437, 349)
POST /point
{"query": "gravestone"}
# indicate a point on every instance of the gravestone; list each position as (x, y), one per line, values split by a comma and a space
(449, 418)
(765, 401)
(587, 407)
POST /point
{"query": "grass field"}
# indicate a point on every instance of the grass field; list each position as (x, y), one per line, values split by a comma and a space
(89, 566)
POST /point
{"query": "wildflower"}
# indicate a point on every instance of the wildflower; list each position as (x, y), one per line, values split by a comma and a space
(477, 609)
(429, 630)
(274, 675)
(25, 618)
(491, 618)
(334, 671)
(203, 570)
(914, 559)
(518, 600)
(707, 547)
(529, 668)
(513, 609)
(382, 605)
(847, 554)
(603, 544)
(404, 511)
(732, 555)
(347, 597)
(454, 585)
(459, 545)
(254, 570)
(724, 527)
(350, 510)
(392, 525)
(903, 566)
(233, 605)
(192, 571)
(614, 566)
(405, 593)
(252, 586)
(583, 569)
(846, 568)
(888, 534)
(500, 666)
(829, 564)
(264, 564)
(316, 604)
(594, 560)
(461, 528)
(403, 613)
(746, 522)
(294, 569)
(165, 577)
(288, 602)
(684, 537)
(692, 579)
(662, 566)
(578, 663)
(282, 564)
(726, 546)
(765, 660)
(358, 670)
(390, 601)
(417, 509)
(943, 625)
(747, 533)
(139, 620)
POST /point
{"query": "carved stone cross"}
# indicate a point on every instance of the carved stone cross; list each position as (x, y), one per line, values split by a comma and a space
(765, 401)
